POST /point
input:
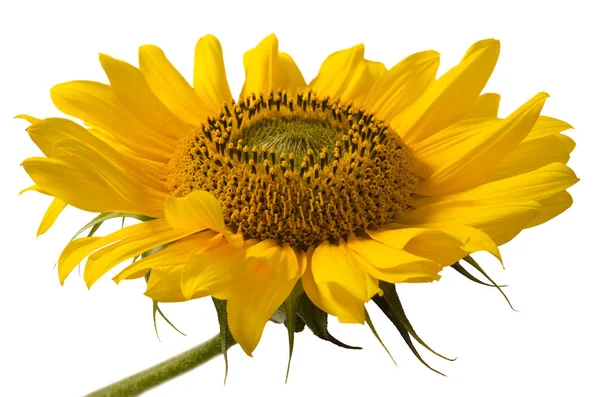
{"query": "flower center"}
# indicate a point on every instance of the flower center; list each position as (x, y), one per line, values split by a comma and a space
(301, 170)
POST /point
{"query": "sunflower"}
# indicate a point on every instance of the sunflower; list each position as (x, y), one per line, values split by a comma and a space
(363, 178)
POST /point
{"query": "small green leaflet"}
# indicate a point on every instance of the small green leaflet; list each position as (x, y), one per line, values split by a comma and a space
(156, 309)
(390, 305)
(370, 323)
(95, 223)
(472, 262)
(316, 321)
(469, 276)
(291, 304)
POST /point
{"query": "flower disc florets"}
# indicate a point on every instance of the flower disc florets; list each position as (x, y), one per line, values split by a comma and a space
(298, 169)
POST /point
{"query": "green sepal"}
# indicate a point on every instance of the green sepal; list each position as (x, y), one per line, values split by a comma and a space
(224, 333)
(390, 305)
(316, 321)
(156, 309)
(370, 323)
(473, 263)
(290, 305)
(95, 223)
(469, 276)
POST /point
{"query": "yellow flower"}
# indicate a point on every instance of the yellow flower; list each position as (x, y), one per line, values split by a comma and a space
(362, 177)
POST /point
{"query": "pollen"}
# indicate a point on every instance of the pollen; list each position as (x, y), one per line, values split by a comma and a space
(297, 168)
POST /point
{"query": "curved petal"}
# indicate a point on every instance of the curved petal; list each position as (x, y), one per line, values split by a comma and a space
(403, 84)
(197, 211)
(134, 93)
(103, 260)
(164, 284)
(460, 156)
(97, 105)
(343, 286)
(257, 295)
(247, 280)
(290, 76)
(433, 245)
(262, 67)
(51, 135)
(347, 76)
(452, 96)
(547, 126)
(551, 207)
(486, 106)
(280, 257)
(175, 254)
(82, 188)
(502, 221)
(210, 78)
(52, 213)
(78, 249)
(391, 263)
(531, 155)
(170, 86)
(213, 271)
(535, 185)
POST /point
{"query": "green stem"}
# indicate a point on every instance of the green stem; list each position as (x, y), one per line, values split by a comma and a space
(145, 380)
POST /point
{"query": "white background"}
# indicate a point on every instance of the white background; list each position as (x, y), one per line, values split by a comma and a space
(67, 341)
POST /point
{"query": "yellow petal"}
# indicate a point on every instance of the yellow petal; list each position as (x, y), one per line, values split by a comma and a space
(170, 86)
(133, 92)
(461, 156)
(452, 96)
(78, 249)
(422, 243)
(254, 300)
(402, 85)
(30, 119)
(290, 76)
(164, 284)
(262, 67)
(280, 257)
(97, 105)
(103, 260)
(342, 284)
(333, 299)
(502, 221)
(50, 216)
(472, 240)
(391, 263)
(551, 207)
(486, 106)
(73, 185)
(346, 75)
(547, 126)
(53, 134)
(210, 78)
(95, 166)
(535, 185)
(175, 254)
(531, 155)
(197, 211)
(214, 271)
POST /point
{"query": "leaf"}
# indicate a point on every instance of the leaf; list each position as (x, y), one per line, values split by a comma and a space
(224, 334)
(290, 305)
(316, 321)
(469, 276)
(370, 323)
(155, 309)
(104, 216)
(472, 262)
(390, 305)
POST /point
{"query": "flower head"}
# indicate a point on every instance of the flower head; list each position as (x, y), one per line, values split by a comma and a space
(312, 197)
